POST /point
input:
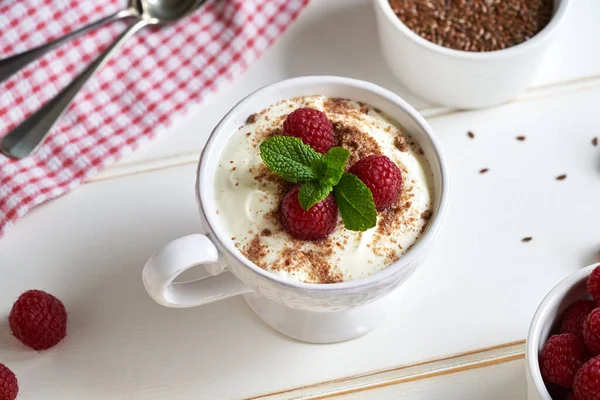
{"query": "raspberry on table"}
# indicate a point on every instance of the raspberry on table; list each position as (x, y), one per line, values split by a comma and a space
(381, 176)
(315, 224)
(9, 385)
(560, 359)
(575, 315)
(591, 332)
(312, 126)
(593, 284)
(586, 385)
(38, 320)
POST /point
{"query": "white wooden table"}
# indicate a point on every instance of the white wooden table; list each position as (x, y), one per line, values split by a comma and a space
(459, 331)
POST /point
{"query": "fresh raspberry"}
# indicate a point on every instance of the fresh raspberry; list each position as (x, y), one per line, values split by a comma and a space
(561, 357)
(593, 284)
(573, 317)
(38, 320)
(591, 332)
(316, 223)
(382, 176)
(312, 126)
(586, 385)
(9, 386)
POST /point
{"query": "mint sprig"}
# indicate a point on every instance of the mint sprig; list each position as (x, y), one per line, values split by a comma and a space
(311, 193)
(355, 202)
(291, 159)
(296, 162)
(333, 166)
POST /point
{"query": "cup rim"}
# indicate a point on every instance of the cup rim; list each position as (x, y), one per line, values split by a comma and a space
(434, 224)
(538, 322)
(525, 46)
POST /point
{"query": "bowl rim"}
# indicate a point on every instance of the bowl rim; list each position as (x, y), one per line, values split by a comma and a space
(540, 317)
(363, 283)
(537, 39)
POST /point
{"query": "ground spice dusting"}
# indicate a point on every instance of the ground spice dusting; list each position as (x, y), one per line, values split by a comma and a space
(474, 25)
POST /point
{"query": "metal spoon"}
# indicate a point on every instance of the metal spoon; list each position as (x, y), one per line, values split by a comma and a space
(26, 138)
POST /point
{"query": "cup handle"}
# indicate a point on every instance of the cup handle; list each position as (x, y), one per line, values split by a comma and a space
(177, 257)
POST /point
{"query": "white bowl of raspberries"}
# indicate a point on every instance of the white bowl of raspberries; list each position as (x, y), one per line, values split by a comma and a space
(563, 344)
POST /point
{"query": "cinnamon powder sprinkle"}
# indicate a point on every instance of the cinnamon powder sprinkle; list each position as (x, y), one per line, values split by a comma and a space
(527, 239)
(561, 177)
(484, 170)
(521, 138)
(471, 135)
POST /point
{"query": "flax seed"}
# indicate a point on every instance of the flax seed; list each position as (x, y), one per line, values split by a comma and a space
(474, 25)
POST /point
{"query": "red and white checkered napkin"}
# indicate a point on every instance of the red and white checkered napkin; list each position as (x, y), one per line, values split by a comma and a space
(158, 73)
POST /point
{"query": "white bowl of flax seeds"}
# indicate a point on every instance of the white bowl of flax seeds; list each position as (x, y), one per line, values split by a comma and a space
(467, 53)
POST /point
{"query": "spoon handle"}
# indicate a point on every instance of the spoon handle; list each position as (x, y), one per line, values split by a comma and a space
(26, 137)
(11, 65)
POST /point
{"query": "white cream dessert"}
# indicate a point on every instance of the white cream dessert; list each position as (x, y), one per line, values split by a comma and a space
(248, 195)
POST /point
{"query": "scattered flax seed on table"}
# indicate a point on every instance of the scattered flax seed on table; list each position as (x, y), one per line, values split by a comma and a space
(474, 25)
(484, 170)
(527, 239)
(471, 135)
(521, 138)
(561, 177)
(595, 141)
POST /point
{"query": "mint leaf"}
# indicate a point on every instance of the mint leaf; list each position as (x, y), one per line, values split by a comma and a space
(334, 162)
(311, 193)
(289, 158)
(355, 202)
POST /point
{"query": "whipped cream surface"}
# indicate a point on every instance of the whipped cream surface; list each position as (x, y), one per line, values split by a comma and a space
(248, 196)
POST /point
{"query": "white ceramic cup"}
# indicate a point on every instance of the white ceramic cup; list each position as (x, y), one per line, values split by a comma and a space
(567, 292)
(321, 313)
(462, 79)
